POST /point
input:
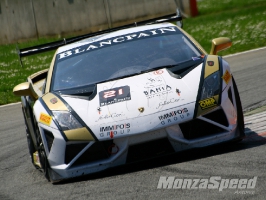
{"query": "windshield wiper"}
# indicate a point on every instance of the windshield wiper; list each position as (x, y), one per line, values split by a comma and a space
(179, 66)
(78, 91)
(173, 68)
(184, 68)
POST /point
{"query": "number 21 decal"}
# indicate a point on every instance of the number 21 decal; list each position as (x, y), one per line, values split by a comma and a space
(114, 95)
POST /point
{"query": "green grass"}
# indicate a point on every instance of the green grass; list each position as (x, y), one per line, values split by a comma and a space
(242, 21)
(11, 72)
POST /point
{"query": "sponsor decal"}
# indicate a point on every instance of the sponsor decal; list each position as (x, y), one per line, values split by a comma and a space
(157, 91)
(210, 63)
(112, 115)
(53, 100)
(153, 82)
(158, 72)
(214, 182)
(178, 92)
(164, 103)
(113, 130)
(45, 119)
(174, 116)
(99, 110)
(227, 76)
(116, 40)
(111, 134)
(195, 58)
(207, 103)
(114, 95)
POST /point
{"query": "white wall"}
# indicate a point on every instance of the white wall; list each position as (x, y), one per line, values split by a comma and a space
(26, 19)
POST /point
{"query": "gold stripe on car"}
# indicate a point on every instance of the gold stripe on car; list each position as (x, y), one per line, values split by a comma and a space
(80, 134)
(211, 65)
(53, 102)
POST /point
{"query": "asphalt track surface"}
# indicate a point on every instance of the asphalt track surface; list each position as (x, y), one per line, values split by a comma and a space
(244, 160)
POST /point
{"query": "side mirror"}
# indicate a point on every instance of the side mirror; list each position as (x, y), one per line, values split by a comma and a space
(219, 44)
(25, 89)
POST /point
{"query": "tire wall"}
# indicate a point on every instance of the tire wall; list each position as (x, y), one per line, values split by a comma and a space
(28, 19)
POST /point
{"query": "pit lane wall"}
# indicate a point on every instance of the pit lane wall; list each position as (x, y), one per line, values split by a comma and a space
(27, 19)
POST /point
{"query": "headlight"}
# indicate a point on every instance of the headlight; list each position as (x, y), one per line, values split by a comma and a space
(66, 120)
(211, 86)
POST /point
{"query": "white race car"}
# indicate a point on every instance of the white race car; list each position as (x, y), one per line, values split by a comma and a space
(127, 94)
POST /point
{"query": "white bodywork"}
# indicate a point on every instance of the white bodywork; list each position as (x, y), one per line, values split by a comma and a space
(143, 116)
(143, 127)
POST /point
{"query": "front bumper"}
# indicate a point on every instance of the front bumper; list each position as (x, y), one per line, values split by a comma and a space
(72, 159)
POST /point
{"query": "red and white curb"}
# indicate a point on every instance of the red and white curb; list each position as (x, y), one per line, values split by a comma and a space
(255, 125)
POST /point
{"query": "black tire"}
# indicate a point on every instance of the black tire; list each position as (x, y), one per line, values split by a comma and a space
(29, 140)
(240, 116)
(42, 154)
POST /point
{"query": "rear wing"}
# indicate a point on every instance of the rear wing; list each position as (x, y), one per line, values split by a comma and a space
(176, 17)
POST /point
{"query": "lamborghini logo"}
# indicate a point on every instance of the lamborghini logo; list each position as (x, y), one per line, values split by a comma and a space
(141, 109)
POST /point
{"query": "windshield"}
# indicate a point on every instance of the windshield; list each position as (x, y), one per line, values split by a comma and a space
(121, 56)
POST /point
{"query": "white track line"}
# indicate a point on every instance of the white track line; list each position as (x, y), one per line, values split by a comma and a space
(11, 104)
(255, 123)
(244, 52)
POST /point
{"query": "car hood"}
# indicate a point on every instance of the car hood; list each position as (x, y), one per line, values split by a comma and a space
(138, 104)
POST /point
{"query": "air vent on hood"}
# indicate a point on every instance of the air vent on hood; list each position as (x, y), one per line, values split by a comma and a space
(184, 68)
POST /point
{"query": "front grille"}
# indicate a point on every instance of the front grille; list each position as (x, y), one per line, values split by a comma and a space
(149, 149)
(72, 150)
(198, 128)
(49, 138)
(218, 116)
(97, 151)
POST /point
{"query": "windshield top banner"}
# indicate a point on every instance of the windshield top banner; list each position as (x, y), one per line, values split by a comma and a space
(116, 40)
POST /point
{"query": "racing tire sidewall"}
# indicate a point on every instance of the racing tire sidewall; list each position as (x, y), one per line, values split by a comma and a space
(240, 116)
(41, 151)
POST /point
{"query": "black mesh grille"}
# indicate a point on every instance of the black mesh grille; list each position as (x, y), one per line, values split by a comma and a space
(198, 128)
(98, 151)
(218, 116)
(72, 150)
(49, 139)
(149, 149)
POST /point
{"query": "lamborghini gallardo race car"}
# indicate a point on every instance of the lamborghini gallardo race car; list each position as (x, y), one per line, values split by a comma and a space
(127, 94)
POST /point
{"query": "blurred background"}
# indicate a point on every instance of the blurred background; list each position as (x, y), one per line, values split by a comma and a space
(32, 22)
(29, 19)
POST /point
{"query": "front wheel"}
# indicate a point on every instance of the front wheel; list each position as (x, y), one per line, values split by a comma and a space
(240, 116)
(42, 154)
(29, 140)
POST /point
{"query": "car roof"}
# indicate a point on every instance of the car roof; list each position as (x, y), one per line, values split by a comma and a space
(113, 34)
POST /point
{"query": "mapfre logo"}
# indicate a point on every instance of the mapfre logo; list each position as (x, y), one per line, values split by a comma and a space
(207, 103)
